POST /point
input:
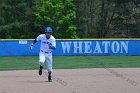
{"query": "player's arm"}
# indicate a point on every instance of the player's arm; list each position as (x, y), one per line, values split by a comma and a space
(53, 45)
(35, 40)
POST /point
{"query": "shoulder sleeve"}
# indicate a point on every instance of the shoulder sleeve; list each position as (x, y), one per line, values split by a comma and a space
(53, 42)
(39, 37)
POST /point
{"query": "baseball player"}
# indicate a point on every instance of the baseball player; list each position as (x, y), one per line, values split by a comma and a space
(48, 44)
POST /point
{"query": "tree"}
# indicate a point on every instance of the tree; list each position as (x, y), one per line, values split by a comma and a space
(15, 18)
(58, 14)
(108, 18)
(70, 18)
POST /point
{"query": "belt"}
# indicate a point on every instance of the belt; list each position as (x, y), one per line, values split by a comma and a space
(45, 52)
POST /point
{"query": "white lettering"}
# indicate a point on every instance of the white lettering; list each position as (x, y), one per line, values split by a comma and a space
(88, 47)
(115, 47)
(66, 47)
(100, 47)
(106, 44)
(97, 48)
(23, 42)
(124, 46)
(78, 47)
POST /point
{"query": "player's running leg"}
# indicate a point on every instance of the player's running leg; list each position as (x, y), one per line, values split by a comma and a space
(41, 62)
(49, 66)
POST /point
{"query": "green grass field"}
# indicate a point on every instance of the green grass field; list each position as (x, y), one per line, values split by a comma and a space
(71, 62)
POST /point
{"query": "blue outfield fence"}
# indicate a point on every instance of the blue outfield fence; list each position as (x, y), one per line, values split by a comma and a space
(83, 47)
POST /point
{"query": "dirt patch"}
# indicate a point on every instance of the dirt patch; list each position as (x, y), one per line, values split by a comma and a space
(95, 80)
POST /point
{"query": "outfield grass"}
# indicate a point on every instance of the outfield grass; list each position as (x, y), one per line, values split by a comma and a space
(70, 62)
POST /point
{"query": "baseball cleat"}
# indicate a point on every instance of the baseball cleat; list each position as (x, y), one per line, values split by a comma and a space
(49, 79)
(49, 76)
(40, 70)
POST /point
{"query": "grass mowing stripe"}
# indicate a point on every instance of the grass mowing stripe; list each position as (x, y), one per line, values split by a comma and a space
(67, 62)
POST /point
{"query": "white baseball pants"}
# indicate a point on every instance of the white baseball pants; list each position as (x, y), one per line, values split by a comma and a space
(46, 57)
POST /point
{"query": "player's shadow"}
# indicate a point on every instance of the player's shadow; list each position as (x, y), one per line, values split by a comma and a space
(36, 81)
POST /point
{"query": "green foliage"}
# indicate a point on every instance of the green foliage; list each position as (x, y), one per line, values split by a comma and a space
(108, 18)
(58, 14)
(70, 18)
(15, 19)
